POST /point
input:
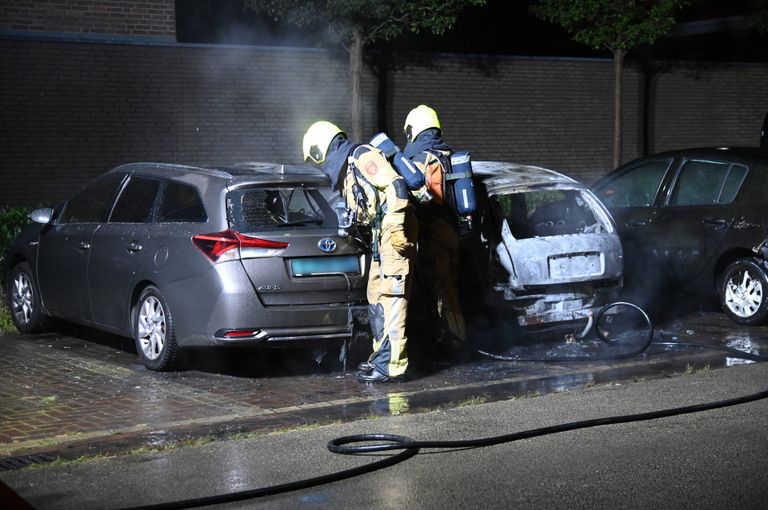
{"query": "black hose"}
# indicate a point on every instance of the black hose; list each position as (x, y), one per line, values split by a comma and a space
(271, 490)
(410, 447)
(348, 445)
(588, 357)
(407, 444)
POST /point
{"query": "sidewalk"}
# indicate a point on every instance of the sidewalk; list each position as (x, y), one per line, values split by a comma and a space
(66, 396)
(713, 459)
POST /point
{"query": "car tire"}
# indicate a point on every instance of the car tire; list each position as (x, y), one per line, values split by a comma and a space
(24, 301)
(743, 291)
(153, 331)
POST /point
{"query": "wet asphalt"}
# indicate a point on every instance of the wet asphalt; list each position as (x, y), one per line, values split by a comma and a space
(709, 459)
(78, 393)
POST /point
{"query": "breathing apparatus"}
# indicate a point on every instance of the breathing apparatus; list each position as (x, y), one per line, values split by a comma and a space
(407, 170)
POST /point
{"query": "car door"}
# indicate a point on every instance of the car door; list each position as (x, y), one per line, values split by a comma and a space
(633, 197)
(695, 219)
(64, 249)
(117, 249)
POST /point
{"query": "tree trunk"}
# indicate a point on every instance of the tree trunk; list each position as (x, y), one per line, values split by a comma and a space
(356, 84)
(618, 66)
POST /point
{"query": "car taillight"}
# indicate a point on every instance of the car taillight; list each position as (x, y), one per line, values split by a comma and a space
(231, 245)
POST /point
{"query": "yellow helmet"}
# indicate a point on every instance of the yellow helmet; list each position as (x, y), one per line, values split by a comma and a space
(420, 118)
(318, 138)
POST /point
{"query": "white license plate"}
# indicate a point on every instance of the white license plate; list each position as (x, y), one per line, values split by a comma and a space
(577, 265)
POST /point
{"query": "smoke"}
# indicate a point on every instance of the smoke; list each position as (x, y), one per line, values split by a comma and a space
(247, 103)
(252, 95)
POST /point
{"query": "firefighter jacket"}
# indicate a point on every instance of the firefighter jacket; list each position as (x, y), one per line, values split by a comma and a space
(374, 190)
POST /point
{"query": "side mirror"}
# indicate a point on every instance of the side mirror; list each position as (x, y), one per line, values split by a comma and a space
(43, 215)
(762, 250)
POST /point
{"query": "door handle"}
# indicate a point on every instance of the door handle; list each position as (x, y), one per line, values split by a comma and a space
(716, 223)
(83, 246)
(133, 247)
(637, 223)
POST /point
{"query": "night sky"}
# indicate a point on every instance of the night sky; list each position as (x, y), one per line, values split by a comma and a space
(501, 27)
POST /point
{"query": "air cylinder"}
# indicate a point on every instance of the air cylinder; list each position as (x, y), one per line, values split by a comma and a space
(413, 177)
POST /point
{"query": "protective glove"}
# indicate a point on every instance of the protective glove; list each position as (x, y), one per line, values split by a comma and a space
(399, 242)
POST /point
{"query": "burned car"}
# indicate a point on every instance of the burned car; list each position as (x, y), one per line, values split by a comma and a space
(180, 256)
(545, 249)
(691, 222)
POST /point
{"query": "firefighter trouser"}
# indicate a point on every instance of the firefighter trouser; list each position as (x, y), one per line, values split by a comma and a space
(389, 287)
(439, 263)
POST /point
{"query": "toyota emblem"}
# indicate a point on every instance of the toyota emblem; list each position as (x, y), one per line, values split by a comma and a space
(327, 245)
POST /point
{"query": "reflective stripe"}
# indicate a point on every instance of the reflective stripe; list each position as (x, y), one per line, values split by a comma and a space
(396, 359)
(457, 175)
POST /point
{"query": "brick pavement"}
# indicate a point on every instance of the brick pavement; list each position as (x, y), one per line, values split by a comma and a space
(62, 390)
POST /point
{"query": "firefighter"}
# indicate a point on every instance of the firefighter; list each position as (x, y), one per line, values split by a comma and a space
(378, 197)
(438, 237)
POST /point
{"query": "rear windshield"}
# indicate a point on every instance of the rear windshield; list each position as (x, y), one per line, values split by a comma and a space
(545, 213)
(265, 209)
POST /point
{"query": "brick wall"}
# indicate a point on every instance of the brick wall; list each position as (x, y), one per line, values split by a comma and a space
(123, 17)
(72, 110)
(709, 104)
(549, 112)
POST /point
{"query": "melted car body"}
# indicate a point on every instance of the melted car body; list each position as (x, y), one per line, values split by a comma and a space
(550, 249)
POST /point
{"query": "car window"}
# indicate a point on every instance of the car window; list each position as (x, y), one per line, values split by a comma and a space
(732, 184)
(93, 203)
(636, 187)
(136, 201)
(547, 213)
(259, 209)
(706, 183)
(181, 203)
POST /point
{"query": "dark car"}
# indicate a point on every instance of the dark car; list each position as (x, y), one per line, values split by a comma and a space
(179, 256)
(692, 221)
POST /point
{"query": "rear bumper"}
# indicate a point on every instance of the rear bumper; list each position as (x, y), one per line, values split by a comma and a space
(559, 309)
(285, 337)
(223, 299)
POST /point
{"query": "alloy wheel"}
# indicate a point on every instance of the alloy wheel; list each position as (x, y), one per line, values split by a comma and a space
(152, 328)
(743, 294)
(22, 298)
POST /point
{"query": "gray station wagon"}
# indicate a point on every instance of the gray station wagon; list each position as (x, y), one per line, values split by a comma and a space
(179, 256)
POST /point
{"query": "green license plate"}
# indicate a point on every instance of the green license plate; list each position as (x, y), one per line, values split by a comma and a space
(314, 266)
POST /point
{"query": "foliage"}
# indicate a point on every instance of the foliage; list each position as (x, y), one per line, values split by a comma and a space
(11, 221)
(6, 323)
(356, 23)
(375, 19)
(611, 24)
(758, 18)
